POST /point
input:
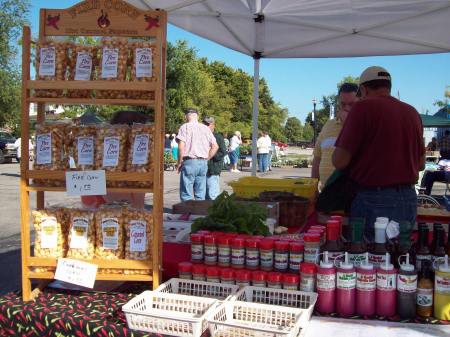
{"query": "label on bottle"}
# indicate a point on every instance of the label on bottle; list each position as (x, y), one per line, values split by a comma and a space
(294, 260)
(377, 259)
(196, 252)
(140, 150)
(424, 297)
(47, 64)
(366, 282)
(346, 281)
(307, 284)
(326, 282)
(442, 283)
(224, 253)
(311, 254)
(138, 236)
(420, 258)
(237, 256)
(110, 62)
(210, 253)
(83, 68)
(49, 232)
(79, 233)
(111, 148)
(386, 281)
(110, 233)
(435, 264)
(252, 258)
(281, 261)
(85, 150)
(266, 258)
(143, 62)
(333, 255)
(407, 283)
(357, 259)
(44, 148)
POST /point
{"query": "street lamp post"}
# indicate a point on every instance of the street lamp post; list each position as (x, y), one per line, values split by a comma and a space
(314, 121)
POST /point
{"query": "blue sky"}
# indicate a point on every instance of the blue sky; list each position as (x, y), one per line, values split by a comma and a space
(420, 79)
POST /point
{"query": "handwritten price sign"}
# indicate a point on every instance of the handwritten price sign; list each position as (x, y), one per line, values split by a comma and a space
(80, 183)
(76, 272)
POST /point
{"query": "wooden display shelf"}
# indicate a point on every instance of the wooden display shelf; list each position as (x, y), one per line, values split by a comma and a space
(92, 85)
(100, 277)
(110, 176)
(91, 101)
(36, 188)
(102, 263)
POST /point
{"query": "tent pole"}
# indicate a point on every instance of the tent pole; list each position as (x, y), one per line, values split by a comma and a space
(255, 113)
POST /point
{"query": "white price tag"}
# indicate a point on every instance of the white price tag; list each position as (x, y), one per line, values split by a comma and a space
(44, 148)
(143, 62)
(110, 62)
(83, 67)
(47, 62)
(76, 272)
(80, 183)
(140, 150)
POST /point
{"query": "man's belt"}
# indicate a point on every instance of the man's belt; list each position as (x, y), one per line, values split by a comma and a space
(190, 158)
(397, 187)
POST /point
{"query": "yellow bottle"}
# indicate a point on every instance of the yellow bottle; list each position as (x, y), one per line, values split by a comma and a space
(442, 291)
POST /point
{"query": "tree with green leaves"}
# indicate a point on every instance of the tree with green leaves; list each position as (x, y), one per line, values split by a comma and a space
(293, 129)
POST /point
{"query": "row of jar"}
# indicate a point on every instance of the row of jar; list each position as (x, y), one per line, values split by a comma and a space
(111, 232)
(113, 59)
(113, 148)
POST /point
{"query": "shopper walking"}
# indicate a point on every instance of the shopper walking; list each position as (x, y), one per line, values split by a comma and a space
(233, 153)
(174, 146)
(381, 130)
(215, 164)
(196, 145)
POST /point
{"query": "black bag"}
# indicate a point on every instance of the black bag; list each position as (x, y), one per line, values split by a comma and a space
(338, 193)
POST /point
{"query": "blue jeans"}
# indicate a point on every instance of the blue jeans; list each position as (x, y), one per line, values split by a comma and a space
(212, 187)
(398, 204)
(193, 179)
(263, 162)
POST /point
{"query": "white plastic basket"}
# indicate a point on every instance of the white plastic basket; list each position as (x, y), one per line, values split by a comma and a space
(245, 319)
(170, 314)
(180, 286)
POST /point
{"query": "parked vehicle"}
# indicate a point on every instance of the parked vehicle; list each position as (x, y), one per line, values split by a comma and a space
(7, 149)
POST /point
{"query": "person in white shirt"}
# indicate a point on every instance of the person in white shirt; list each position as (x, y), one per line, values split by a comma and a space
(233, 152)
(18, 146)
(263, 146)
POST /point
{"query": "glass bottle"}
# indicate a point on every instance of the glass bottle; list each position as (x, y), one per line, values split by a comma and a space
(333, 245)
(404, 243)
(422, 250)
(439, 246)
(425, 291)
(357, 249)
(377, 253)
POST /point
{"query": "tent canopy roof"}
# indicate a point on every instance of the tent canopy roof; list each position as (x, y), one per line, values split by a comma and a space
(430, 121)
(305, 28)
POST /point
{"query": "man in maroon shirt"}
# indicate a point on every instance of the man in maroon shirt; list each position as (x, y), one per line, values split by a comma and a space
(381, 149)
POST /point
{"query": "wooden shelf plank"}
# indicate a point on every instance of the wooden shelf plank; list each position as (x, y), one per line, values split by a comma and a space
(91, 101)
(110, 176)
(100, 277)
(92, 85)
(34, 188)
(111, 264)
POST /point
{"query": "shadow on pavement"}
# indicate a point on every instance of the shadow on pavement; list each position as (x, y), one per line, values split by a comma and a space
(10, 276)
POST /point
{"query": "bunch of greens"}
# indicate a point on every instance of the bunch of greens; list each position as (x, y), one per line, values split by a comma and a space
(227, 215)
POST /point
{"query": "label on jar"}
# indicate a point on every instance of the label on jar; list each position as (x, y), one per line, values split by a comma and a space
(47, 64)
(294, 260)
(442, 284)
(406, 283)
(281, 261)
(266, 259)
(198, 277)
(357, 259)
(307, 284)
(238, 256)
(44, 148)
(214, 279)
(259, 284)
(366, 282)
(241, 283)
(85, 150)
(326, 282)
(143, 62)
(274, 285)
(224, 255)
(252, 258)
(79, 237)
(424, 297)
(419, 259)
(224, 281)
(111, 148)
(386, 281)
(197, 252)
(290, 287)
(83, 68)
(377, 259)
(210, 253)
(49, 232)
(140, 150)
(311, 254)
(110, 62)
(346, 281)
(110, 233)
(138, 236)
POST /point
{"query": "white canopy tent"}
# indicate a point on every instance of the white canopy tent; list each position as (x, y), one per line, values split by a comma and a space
(312, 28)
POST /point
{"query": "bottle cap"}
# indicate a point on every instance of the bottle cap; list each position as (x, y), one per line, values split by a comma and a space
(266, 244)
(259, 275)
(252, 243)
(366, 265)
(308, 268)
(196, 237)
(346, 264)
(227, 273)
(184, 267)
(336, 218)
(333, 230)
(405, 266)
(243, 275)
(382, 220)
(380, 225)
(387, 265)
(325, 263)
(212, 271)
(210, 239)
(444, 267)
(224, 240)
(282, 245)
(308, 237)
(274, 277)
(198, 269)
(296, 246)
(291, 278)
(238, 242)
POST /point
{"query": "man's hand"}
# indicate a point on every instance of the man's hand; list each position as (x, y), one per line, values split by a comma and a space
(179, 166)
(341, 158)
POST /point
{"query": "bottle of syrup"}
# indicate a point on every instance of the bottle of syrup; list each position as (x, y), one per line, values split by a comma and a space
(357, 249)
(422, 250)
(425, 285)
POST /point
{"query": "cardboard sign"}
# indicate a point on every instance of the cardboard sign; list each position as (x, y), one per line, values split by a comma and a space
(80, 183)
(76, 272)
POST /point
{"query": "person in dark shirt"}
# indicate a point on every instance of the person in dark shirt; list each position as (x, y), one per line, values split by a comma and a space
(433, 145)
(382, 151)
(444, 145)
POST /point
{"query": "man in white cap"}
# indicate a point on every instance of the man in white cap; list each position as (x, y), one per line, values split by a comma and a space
(382, 151)
(196, 145)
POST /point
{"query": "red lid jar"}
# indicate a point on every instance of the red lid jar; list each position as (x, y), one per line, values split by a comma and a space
(243, 277)
(197, 248)
(252, 253)
(290, 281)
(274, 280)
(259, 278)
(185, 270)
(296, 249)
(198, 272)
(227, 276)
(212, 274)
(266, 254)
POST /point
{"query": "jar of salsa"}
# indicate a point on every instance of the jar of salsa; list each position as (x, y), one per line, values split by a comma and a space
(308, 273)
(274, 280)
(224, 251)
(296, 249)
(312, 247)
(281, 256)
(198, 272)
(266, 254)
(290, 281)
(259, 279)
(243, 277)
(196, 248)
(185, 270)
(252, 253)
(212, 274)
(238, 252)
(227, 276)
(210, 243)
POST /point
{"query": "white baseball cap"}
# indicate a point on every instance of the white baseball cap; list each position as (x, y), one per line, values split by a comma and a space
(374, 73)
